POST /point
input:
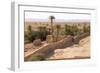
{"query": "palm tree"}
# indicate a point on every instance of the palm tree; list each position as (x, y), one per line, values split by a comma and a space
(51, 21)
(58, 27)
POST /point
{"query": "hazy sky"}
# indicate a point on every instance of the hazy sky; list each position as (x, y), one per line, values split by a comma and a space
(58, 16)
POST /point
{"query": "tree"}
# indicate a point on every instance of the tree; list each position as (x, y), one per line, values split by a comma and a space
(68, 30)
(75, 30)
(42, 33)
(29, 28)
(25, 35)
(31, 34)
(86, 28)
(71, 30)
(58, 27)
(51, 22)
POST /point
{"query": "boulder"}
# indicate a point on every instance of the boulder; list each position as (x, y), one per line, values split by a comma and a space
(76, 40)
(37, 42)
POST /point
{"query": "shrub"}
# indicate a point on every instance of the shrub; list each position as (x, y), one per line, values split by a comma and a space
(37, 58)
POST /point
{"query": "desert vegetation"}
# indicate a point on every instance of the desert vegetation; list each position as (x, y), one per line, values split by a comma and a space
(40, 34)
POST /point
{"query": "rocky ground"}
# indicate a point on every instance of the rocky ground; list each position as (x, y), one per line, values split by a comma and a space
(81, 50)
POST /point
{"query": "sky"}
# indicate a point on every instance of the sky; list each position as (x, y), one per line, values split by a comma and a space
(44, 16)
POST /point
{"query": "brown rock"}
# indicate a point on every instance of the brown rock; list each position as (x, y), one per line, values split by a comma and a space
(37, 42)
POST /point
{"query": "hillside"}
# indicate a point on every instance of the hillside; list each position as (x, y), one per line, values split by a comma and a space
(82, 50)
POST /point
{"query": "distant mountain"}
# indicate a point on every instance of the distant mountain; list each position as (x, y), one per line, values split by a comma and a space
(57, 20)
(36, 20)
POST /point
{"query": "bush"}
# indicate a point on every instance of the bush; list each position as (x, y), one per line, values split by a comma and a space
(37, 58)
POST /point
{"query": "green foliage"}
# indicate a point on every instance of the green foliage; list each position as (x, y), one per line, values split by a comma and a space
(51, 17)
(37, 58)
(68, 30)
(86, 28)
(58, 27)
(74, 30)
(42, 33)
(31, 35)
(25, 35)
(29, 28)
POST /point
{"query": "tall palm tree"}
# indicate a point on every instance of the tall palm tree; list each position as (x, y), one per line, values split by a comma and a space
(51, 22)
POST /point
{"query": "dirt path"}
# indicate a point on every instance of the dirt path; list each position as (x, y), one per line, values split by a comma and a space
(76, 51)
(33, 49)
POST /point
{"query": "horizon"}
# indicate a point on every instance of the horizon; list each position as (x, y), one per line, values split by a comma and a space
(57, 20)
(59, 17)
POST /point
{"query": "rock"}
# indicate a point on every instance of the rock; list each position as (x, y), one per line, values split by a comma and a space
(37, 42)
(76, 40)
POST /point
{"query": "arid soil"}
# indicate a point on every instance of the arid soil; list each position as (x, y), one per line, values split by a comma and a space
(81, 50)
(30, 48)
